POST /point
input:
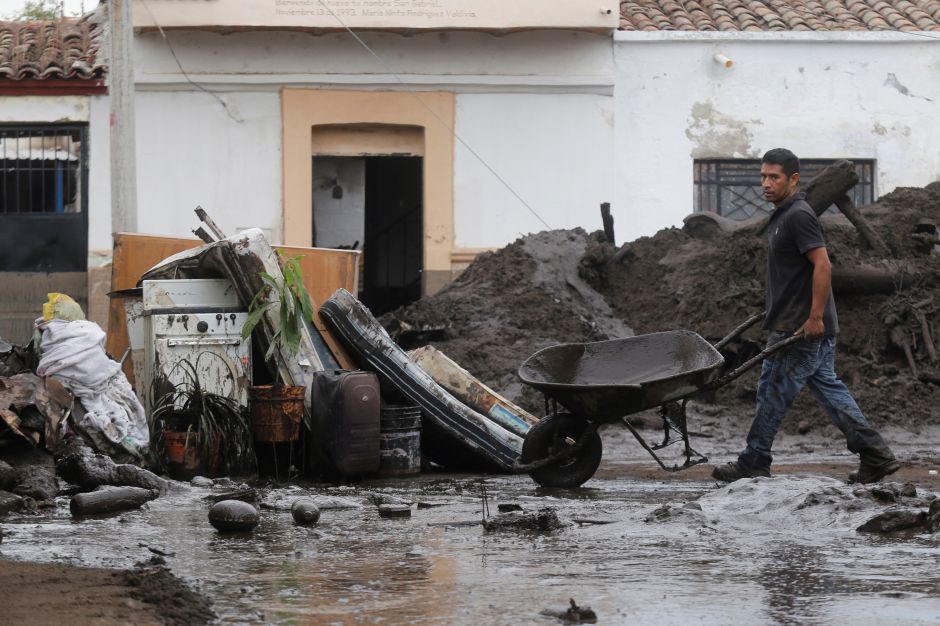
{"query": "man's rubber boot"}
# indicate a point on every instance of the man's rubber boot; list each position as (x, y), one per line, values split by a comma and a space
(868, 472)
(730, 472)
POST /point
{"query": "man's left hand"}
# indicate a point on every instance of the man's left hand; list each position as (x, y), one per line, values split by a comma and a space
(812, 329)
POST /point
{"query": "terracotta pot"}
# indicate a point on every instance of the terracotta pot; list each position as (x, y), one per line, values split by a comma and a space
(182, 453)
(275, 412)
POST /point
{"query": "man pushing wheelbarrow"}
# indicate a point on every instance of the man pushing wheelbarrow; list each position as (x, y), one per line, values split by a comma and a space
(600, 382)
(799, 302)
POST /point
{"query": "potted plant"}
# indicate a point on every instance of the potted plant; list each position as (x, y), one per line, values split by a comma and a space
(198, 431)
(277, 410)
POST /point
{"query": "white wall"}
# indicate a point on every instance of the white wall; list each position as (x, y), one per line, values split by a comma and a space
(339, 221)
(830, 95)
(537, 106)
(192, 151)
(555, 151)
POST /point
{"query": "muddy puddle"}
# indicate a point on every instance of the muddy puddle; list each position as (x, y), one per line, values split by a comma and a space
(677, 551)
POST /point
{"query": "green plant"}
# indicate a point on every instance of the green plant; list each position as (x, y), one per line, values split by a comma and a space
(294, 307)
(221, 423)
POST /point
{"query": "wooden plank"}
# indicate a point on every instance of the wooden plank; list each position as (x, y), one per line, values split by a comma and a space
(324, 272)
(133, 255)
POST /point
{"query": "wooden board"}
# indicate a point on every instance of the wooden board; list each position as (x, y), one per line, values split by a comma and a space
(324, 272)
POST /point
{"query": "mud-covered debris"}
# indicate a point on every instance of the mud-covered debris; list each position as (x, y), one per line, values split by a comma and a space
(884, 494)
(544, 519)
(7, 475)
(691, 511)
(10, 503)
(80, 465)
(804, 427)
(36, 481)
(201, 481)
(908, 490)
(305, 512)
(394, 510)
(894, 520)
(110, 499)
(383, 498)
(508, 507)
(247, 494)
(233, 516)
(573, 614)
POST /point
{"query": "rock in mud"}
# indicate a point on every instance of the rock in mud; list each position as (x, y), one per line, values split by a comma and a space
(108, 499)
(10, 503)
(201, 481)
(804, 427)
(908, 490)
(542, 520)
(394, 510)
(305, 512)
(508, 507)
(36, 481)
(894, 520)
(233, 516)
(80, 465)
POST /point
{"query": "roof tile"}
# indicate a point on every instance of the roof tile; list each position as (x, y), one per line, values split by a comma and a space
(69, 48)
(776, 15)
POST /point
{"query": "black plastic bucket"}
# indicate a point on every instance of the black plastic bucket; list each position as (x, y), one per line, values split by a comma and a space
(400, 441)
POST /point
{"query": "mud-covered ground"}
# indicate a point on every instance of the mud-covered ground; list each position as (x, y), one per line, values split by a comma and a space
(670, 548)
(58, 593)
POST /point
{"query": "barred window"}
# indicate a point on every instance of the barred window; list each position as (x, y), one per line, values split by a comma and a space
(42, 168)
(731, 187)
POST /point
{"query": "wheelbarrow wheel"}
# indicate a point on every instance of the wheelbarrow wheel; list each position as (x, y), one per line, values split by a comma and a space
(550, 435)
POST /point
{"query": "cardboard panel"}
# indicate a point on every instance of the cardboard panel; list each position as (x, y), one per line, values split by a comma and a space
(324, 272)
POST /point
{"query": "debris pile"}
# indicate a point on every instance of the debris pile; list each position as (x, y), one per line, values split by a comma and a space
(707, 276)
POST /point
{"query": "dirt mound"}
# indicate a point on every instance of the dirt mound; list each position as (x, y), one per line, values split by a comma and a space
(510, 303)
(544, 289)
(709, 284)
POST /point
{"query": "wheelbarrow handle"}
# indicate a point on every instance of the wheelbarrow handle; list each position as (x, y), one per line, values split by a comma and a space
(747, 365)
(740, 330)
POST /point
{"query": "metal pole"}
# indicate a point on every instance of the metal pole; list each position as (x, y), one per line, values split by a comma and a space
(121, 95)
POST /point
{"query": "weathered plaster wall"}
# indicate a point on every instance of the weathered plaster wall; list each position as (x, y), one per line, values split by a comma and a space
(537, 106)
(556, 152)
(192, 151)
(873, 96)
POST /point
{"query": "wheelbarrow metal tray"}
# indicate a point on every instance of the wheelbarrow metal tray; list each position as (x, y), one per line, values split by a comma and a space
(606, 380)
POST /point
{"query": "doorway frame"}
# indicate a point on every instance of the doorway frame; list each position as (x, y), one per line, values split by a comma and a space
(304, 109)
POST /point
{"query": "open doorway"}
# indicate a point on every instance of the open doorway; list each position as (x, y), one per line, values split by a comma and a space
(374, 204)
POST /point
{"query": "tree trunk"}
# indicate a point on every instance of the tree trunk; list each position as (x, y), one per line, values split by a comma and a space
(862, 225)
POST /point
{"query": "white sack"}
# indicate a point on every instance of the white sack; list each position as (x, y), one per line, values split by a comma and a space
(73, 353)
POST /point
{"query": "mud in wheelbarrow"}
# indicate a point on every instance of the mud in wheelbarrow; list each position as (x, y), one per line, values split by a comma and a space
(604, 381)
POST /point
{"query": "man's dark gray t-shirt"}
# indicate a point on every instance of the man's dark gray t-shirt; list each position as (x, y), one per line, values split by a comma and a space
(794, 230)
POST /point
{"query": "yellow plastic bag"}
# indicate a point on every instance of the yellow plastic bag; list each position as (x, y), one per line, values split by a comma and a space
(61, 307)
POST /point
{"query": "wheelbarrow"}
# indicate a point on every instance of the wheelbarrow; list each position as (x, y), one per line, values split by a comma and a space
(604, 381)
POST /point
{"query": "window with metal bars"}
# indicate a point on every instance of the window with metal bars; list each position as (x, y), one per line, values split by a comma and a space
(731, 187)
(43, 168)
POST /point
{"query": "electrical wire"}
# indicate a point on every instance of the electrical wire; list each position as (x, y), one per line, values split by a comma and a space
(169, 46)
(443, 123)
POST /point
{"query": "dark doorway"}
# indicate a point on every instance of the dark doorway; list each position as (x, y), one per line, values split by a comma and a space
(394, 237)
(375, 204)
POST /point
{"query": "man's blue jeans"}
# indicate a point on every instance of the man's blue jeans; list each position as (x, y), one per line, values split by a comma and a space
(782, 377)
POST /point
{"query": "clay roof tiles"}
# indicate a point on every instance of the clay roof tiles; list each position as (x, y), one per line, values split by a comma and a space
(68, 48)
(780, 15)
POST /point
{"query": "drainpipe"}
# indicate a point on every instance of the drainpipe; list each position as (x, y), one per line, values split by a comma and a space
(121, 97)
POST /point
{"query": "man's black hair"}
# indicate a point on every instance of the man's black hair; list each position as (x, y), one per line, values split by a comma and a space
(784, 158)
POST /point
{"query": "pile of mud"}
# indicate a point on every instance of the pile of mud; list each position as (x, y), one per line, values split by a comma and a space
(570, 286)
